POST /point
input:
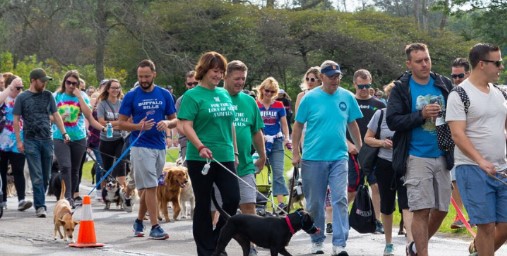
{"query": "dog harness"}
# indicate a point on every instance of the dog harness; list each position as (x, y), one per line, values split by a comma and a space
(291, 229)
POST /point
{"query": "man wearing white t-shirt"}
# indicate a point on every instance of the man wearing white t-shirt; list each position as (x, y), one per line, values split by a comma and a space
(479, 135)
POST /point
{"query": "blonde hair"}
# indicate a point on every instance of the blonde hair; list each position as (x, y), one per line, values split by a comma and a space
(313, 70)
(270, 84)
(388, 88)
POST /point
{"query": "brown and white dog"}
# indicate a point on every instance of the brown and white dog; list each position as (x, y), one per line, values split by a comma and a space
(175, 179)
(187, 195)
(62, 217)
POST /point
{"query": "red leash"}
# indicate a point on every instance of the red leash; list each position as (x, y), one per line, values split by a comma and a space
(462, 218)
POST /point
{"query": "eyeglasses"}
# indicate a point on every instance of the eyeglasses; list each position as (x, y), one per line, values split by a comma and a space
(497, 63)
(114, 88)
(456, 76)
(67, 82)
(310, 79)
(19, 88)
(363, 86)
(192, 83)
(269, 91)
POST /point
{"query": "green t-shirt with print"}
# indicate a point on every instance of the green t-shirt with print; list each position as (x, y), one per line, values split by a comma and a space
(212, 115)
(247, 122)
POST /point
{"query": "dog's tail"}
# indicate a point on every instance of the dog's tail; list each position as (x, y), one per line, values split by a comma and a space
(218, 206)
(62, 193)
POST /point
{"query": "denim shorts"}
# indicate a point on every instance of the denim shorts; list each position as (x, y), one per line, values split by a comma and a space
(484, 198)
(428, 183)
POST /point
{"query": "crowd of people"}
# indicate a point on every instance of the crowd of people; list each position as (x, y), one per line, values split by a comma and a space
(219, 128)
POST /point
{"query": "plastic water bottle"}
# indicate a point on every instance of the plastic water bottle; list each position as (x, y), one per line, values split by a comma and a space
(109, 130)
(255, 156)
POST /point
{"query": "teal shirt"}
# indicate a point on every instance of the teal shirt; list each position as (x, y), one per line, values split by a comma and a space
(212, 115)
(247, 122)
(326, 117)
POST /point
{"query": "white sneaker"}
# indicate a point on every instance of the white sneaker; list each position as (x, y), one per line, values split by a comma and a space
(98, 195)
(339, 251)
(41, 212)
(317, 248)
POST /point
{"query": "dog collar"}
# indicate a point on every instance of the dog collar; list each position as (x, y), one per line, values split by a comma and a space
(291, 229)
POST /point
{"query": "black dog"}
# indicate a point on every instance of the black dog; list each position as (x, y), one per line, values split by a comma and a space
(273, 233)
(111, 193)
(55, 182)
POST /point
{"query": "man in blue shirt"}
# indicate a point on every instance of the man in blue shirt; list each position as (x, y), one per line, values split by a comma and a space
(412, 110)
(324, 109)
(152, 111)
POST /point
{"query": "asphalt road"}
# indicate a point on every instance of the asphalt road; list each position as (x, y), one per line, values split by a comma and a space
(22, 233)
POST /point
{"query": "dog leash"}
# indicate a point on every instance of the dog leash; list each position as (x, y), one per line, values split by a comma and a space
(119, 159)
(239, 178)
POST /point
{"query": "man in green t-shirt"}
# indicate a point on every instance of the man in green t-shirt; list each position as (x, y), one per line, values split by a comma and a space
(248, 124)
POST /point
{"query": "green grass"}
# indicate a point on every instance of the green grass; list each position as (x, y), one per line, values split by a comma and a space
(172, 155)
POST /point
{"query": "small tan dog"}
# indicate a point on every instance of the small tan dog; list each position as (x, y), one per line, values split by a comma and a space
(175, 179)
(62, 217)
(187, 195)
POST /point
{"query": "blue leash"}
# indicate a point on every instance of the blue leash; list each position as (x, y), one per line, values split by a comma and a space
(116, 162)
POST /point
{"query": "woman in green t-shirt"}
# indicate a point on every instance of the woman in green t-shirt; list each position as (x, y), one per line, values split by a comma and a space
(206, 118)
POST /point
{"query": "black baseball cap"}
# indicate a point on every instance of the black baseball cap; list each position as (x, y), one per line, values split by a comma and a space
(39, 73)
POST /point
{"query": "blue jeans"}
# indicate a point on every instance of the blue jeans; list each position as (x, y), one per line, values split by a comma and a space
(316, 176)
(39, 155)
(276, 158)
(98, 170)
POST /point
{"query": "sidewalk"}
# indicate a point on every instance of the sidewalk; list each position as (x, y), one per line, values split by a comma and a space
(21, 233)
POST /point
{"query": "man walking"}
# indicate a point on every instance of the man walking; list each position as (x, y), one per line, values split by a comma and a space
(369, 105)
(149, 106)
(479, 135)
(460, 70)
(190, 83)
(36, 106)
(327, 112)
(415, 102)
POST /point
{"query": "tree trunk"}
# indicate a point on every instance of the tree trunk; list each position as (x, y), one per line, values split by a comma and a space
(270, 4)
(416, 13)
(101, 17)
(445, 14)
(424, 15)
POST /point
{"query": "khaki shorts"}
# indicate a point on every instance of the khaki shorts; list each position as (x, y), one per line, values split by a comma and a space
(428, 183)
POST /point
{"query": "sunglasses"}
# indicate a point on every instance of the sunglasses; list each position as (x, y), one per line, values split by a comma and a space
(67, 82)
(308, 79)
(363, 86)
(192, 83)
(456, 76)
(19, 88)
(497, 63)
(269, 91)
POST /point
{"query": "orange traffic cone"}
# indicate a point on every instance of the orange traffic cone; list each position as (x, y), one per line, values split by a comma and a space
(86, 235)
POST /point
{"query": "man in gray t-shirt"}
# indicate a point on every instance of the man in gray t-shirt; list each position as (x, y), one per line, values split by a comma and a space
(190, 83)
(37, 107)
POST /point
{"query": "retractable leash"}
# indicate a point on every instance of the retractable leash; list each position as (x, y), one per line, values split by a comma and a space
(119, 159)
(239, 178)
(462, 218)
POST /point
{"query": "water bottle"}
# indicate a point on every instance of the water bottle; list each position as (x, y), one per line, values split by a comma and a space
(109, 130)
(255, 156)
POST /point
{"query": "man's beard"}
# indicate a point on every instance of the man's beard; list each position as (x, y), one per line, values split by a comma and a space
(145, 86)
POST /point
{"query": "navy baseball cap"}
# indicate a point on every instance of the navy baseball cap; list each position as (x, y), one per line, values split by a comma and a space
(330, 68)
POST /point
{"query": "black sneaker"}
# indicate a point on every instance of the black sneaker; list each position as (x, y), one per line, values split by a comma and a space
(329, 228)
(410, 251)
(78, 201)
(379, 227)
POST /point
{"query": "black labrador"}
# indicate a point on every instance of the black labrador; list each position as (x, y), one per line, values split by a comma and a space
(273, 233)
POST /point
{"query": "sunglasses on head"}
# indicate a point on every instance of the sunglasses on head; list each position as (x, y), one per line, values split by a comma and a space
(269, 91)
(497, 63)
(192, 83)
(456, 76)
(363, 86)
(310, 79)
(67, 82)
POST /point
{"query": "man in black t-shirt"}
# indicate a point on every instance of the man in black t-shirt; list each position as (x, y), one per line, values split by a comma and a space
(368, 105)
